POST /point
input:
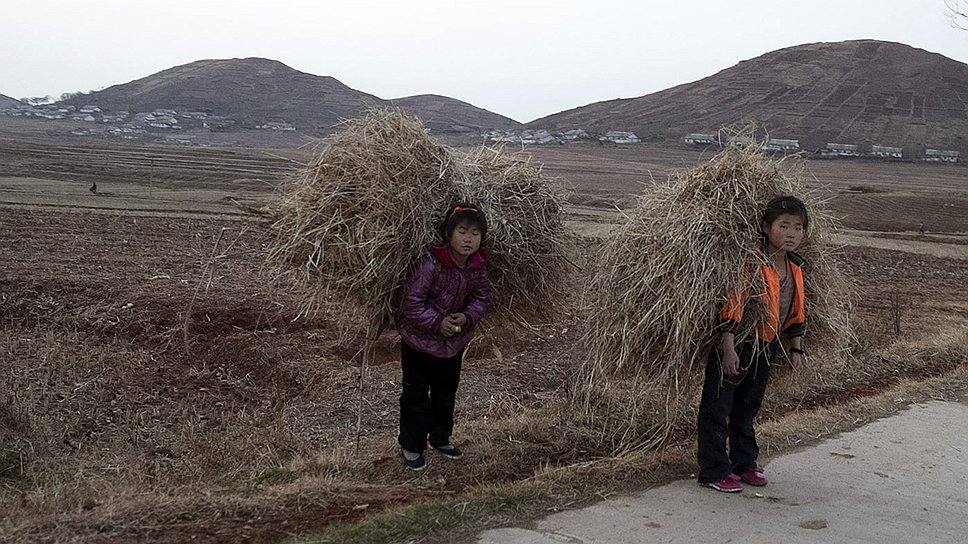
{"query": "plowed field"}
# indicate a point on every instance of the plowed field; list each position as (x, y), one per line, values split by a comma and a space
(155, 388)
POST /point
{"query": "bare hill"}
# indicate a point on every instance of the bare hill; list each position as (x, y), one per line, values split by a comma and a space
(251, 91)
(254, 91)
(862, 91)
(7, 102)
(443, 114)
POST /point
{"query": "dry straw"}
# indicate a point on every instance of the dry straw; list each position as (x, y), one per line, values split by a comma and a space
(653, 299)
(363, 213)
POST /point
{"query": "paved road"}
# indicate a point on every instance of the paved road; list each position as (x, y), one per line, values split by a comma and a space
(902, 479)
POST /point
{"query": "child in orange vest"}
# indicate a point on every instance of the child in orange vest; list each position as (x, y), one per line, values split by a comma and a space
(736, 375)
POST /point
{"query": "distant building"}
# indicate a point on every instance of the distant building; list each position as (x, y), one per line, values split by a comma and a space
(114, 117)
(781, 146)
(887, 152)
(701, 139)
(502, 136)
(840, 150)
(277, 125)
(945, 155)
(619, 137)
(528, 136)
(537, 137)
(574, 134)
(179, 139)
(741, 140)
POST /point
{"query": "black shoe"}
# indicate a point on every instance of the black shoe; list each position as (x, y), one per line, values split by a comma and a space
(414, 464)
(449, 450)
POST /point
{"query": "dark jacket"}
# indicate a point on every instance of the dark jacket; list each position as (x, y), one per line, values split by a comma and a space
(436, 287)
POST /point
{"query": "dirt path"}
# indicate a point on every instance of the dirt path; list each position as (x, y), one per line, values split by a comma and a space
(900, 479)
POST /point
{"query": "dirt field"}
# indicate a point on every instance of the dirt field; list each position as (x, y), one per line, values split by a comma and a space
(156, 388)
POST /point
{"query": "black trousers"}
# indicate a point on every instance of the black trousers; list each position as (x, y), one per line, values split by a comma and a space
(727, 409)
(428, 398)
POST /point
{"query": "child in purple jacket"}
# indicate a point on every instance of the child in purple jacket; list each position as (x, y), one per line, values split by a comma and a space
(442, 300)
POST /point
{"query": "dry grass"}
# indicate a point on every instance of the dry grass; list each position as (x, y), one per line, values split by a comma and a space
(554, 488)
(252, 437)
(363, 213)
(654, 296)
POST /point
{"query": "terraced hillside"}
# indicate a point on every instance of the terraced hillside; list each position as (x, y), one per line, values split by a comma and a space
(862, 92)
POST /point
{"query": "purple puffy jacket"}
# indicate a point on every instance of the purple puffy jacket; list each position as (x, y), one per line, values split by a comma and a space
(436, 287)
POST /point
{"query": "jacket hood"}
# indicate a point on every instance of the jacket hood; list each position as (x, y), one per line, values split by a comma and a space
(443, 255)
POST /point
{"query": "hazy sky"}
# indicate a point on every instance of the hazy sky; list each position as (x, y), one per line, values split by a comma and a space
(521, 58)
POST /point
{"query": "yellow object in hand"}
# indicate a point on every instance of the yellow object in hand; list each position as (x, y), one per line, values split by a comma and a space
(455, 329)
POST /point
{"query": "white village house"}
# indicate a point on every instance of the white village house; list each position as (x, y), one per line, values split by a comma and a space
(696, 138)
(944, 155)
(840, 150)
(887, 151)
(620, 137)
(781, 145)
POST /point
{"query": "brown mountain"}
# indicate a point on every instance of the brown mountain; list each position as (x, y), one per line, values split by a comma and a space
(443, 114)
(253, 91)
(7, 102)
(862, 91)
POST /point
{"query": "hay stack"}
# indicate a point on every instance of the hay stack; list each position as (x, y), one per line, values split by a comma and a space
(652, 302)
(363, 213)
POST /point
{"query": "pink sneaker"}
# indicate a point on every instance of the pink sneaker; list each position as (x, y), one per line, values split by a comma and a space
(726, 485)
(754, 476)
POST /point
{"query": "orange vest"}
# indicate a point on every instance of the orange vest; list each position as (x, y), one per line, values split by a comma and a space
(732, 310)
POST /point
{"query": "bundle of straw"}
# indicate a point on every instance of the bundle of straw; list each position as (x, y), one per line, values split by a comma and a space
(652, 302)
(363, 213)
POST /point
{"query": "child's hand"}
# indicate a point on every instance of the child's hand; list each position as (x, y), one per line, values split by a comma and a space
(449, 326)
(796, 359)
(460, 319)
(730, 362)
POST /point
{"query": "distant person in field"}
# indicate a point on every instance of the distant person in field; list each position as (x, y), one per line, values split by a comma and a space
(921, 228)
(94, 187)
(442, 300)
(736, 375)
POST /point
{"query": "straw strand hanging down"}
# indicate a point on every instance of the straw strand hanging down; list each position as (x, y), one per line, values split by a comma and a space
(652, 301)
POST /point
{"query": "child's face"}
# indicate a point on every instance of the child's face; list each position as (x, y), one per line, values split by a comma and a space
(465, 240)
(785, 233)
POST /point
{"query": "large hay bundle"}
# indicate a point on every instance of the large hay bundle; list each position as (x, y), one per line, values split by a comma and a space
(363, 213)
(652, 301)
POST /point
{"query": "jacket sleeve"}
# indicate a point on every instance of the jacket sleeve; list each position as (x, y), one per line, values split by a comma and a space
(478, 299)
(415, 301)
(796, 329)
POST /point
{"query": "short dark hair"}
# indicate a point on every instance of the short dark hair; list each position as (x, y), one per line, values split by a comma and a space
(460, 213)
(785, 204)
